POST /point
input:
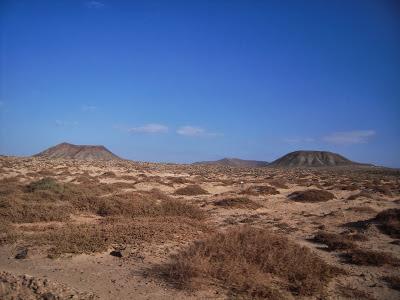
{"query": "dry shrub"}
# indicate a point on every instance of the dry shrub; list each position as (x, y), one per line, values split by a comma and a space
(128, 177)
(346, 186)
(8, 187)
(382, 189)
(376, 186)
(389, 222)
(280, 184)
(92, 238)
(362, 209)
(47, 184)
(130, 217)
(370, 258)
(350, 292)
(7, 233)
(121, 185)
(86, 179)
(178, 208)
(227, 182)
(260, 190)
(37, 201)
(84, 238)
(48, 200)
(333, 241)
(46, 173)
(178, 180)
(311, 196)
(139, 205)
(108, 174)
(237, 202)
(358, 195)
(152, 203)
(22, 212)
(356, 236)
(251, 262)
(191, 190)
(393, 281)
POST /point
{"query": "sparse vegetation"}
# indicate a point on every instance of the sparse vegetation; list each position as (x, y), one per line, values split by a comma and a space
(251, 262)
(237, 202)
(362, 209)
(7, 233)
(334, 241)
(389, 222)
(280, 184)
(135, 204)
(358, 195)
(45, 184)
(311, 196)
(104, 207)
(108, 174)
(350, 292)
(90, 238)
(393, 281)
(260, 190)
(370, 258)
(191, 190)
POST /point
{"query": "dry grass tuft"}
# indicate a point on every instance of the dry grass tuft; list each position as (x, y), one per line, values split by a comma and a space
(237, 202)
(37, 201)
(393, 281)
(350, 292)
(108, 174)
(370, 258)
(280, 184)
(334, 241)
(362, 209)
(48, 200)
(178, 180)
(127, 218)
(45, 184)
(21, 212)
(260, 190)
(389, 222)
(254, 263)
(92, 238)
(7, 233)
(358, 195)
(191, 190)
(311, 196)
(139, 205)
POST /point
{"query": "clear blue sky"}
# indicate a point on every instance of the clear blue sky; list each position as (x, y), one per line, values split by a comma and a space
(182, 81)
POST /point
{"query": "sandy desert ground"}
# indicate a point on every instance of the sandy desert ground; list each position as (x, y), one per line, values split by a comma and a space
(126, 230)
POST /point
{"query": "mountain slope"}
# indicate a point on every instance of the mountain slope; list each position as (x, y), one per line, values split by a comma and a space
(235, 162)
(312, 159)
(84, 152)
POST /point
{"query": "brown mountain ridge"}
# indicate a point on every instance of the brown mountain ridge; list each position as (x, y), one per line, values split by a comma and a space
(83, 152)
(313, 159)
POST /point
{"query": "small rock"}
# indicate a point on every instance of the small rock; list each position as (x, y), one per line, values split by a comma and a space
(116, 253)
(48, 296)
(22, 253)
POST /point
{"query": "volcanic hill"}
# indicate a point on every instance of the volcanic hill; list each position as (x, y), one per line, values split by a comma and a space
(235, 162)
(83, 152)
(312, 159)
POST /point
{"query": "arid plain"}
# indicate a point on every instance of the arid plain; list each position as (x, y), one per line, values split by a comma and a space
(72, 229)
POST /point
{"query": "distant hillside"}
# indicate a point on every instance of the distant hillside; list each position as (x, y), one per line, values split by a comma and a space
(235, 162)
(84, 152)
(312, 159)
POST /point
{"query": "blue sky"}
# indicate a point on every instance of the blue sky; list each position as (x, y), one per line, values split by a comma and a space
(182, 81)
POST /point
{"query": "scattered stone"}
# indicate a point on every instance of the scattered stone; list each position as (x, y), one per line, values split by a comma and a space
(22, 253)
(116, 253)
